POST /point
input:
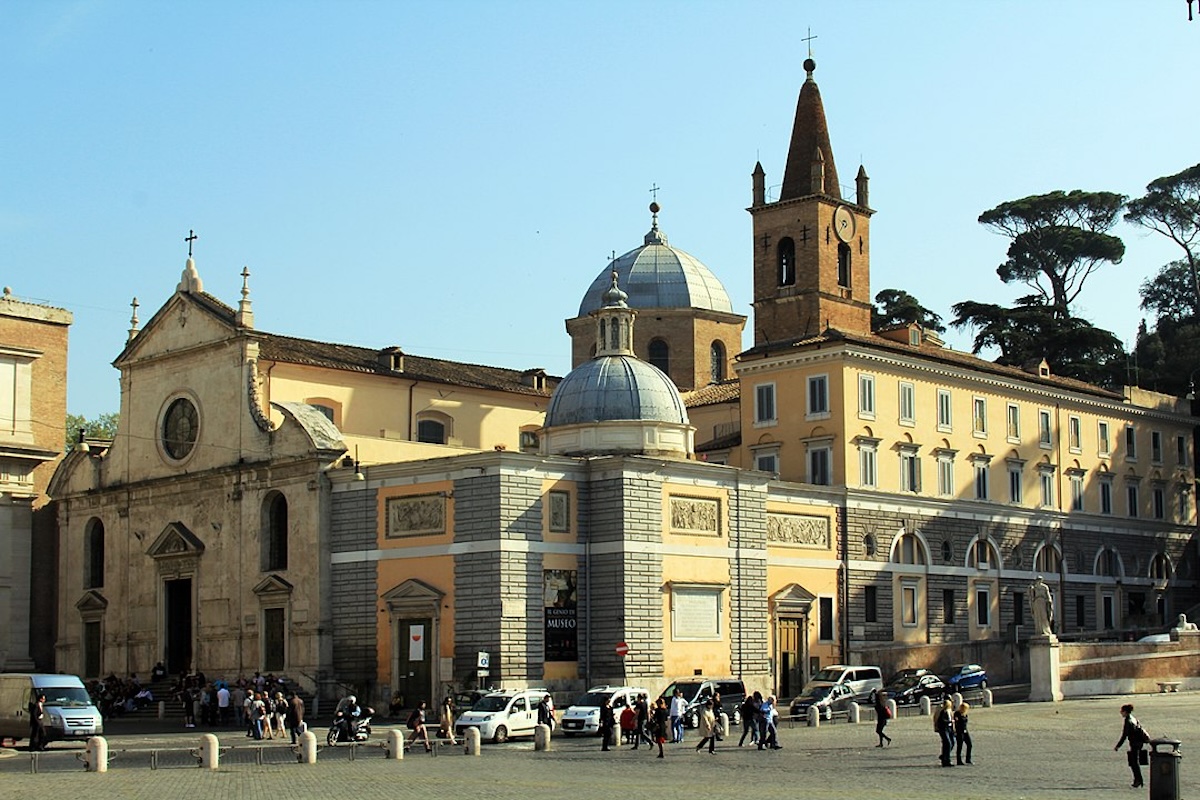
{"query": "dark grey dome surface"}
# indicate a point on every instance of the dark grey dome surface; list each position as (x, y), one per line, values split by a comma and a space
(611, 388)
(657, 275)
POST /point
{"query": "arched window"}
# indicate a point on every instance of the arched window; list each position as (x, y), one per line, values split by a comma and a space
(1048, 561)
(909, 550)
(844, 265)
(434, 427)
(275, 532)
(1108, 564)
(716, 356)
(1160, 567)
(660, 355)
(947, 551)
(785, 255)
(983, 555)
(93, 555)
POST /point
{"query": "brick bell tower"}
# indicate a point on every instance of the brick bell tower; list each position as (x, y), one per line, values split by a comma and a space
(812, 251)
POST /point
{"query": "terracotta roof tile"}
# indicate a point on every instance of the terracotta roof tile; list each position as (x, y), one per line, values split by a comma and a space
(713, 394)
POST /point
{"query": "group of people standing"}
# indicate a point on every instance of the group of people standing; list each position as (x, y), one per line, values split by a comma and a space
(950, 724)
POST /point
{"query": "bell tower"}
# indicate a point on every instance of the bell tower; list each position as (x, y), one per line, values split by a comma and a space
(812, 251)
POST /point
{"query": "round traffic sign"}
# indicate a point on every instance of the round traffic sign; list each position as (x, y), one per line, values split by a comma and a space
(622, 649)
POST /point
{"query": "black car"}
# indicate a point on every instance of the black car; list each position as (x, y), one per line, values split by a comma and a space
(909, 689)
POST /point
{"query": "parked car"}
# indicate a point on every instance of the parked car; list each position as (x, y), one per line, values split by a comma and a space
(862, 680)
(697, 690)
(911, 672)
(962, 677)
(583, 716)
(502, 715)
(827, 697)
(909, 689)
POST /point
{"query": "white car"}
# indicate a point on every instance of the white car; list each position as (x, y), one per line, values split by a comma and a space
(501, 715)
(583, 716)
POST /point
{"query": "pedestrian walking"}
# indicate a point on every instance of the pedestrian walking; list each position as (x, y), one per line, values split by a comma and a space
(416, 724)
(678, 711)
(943, 726)
(707, 725)
(294, 717)
(769, 726)
(608, 722)
(642, 707)
(446, 720)
(961, 734)
(750, 709)
(718, 711)
(662, 721)
(1133, 732)
(37, 722)
(883, 713)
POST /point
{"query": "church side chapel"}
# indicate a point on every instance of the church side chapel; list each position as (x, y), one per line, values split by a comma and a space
(674, 506)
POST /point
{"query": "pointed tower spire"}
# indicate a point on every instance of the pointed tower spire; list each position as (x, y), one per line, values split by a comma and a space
(861, 186)
(759, 184)
(245, 316)
(809, 134)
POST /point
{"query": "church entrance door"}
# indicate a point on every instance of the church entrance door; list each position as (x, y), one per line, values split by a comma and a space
(414, 674)
(177, 624)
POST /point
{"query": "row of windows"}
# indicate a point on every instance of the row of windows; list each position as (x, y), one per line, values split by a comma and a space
(785, 261)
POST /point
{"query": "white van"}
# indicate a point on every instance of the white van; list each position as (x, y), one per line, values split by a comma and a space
(583, 716)
(828, 688)
(70, 713)
(502, 715)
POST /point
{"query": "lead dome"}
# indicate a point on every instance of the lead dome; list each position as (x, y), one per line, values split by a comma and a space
(657, 275)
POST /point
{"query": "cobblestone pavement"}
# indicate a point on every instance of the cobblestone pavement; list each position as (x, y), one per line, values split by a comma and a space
(1022, 750)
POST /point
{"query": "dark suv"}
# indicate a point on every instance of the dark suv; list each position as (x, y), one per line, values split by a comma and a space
(697, 690)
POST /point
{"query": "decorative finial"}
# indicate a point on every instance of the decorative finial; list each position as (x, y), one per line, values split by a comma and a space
(191, 237)
(245, 316)
(133, 322)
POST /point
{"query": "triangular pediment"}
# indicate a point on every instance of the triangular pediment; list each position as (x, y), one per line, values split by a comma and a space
(272, 584)
(91, 601)
(793, 599)
(185, 321)
(412, 594)
(175, 540)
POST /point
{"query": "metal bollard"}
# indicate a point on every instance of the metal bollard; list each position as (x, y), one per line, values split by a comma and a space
(852, 715)
(395, 744)
(471, 741)
(210, 753)
(541, 737)
(308, 747)
(814, 717)
(1164, 769)
(96, 755)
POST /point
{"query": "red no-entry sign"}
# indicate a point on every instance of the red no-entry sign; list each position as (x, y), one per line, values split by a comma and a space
(622, 649)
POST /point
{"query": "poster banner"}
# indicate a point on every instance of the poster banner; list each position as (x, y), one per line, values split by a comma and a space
(416, 642)
(559, 599)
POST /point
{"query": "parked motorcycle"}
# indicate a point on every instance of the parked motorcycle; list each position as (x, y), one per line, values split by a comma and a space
(338, 732)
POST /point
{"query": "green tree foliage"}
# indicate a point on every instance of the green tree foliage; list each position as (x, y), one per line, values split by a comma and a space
(1057, 240)
(1031, 331)
(102, 427)
(1171, 206)
(897, 307)
(1171, 294)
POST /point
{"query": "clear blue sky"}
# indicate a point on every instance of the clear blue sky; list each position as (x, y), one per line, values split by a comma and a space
(450, 176)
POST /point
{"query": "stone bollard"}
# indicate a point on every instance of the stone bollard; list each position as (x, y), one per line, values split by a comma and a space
(308, 747)
(814, 717)
(210, 752)
(891, 704)
(926, 706)
(395, 744)
(956, 699)
(96, 755)
(724, 723)
(987, 698)
(162, 709)
(471, 741)
(852, 713)
(541, 737)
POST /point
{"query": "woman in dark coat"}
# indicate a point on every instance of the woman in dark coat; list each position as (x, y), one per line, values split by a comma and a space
(883, 713)
(1132, 732)
(661, 723)
(943, 725)
(961, 734)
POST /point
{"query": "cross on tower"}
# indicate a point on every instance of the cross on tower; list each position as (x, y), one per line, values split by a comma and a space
(191, 237)
(808, 39)
(654, 191)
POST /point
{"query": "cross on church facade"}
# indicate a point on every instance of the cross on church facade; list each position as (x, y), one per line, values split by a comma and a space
(191, 237)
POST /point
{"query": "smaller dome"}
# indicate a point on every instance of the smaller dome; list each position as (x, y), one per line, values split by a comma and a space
(615, 388)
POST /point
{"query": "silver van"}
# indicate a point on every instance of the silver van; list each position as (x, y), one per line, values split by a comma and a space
(860, 680)
(70, 713)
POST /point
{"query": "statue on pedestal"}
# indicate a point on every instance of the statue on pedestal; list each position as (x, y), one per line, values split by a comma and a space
(1042, 603)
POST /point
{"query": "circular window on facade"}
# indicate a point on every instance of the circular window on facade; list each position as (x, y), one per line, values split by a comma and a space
(180, 427)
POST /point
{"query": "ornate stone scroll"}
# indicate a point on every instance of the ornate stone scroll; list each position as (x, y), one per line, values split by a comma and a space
(798, 530)
(422, 515)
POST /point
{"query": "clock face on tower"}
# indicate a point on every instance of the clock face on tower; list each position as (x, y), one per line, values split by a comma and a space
(180, 427)
(843, 224)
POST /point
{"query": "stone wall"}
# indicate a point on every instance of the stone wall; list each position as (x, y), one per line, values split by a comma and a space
(1091, 668)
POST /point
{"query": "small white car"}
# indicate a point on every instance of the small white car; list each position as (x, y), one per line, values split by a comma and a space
(501, 715)
(583, 716)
